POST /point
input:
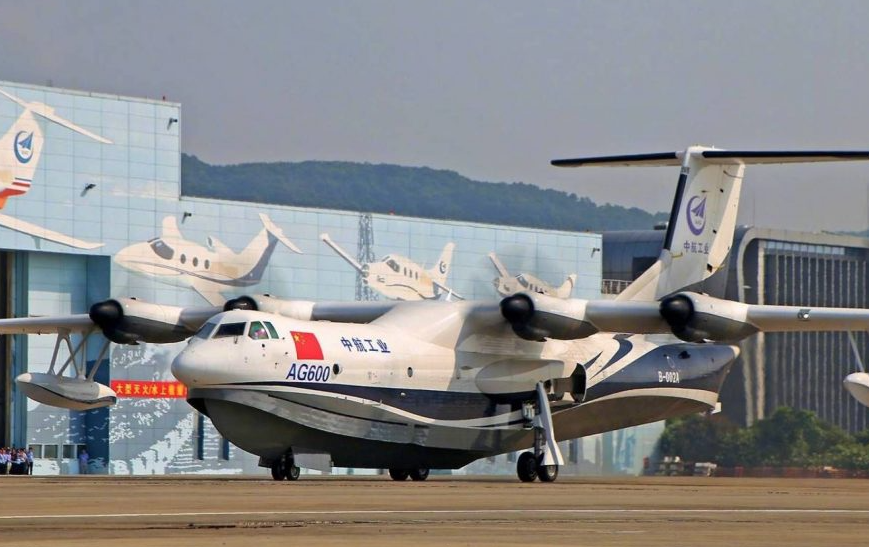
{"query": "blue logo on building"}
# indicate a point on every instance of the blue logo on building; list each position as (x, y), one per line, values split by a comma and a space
(696, 213)
(23, 146)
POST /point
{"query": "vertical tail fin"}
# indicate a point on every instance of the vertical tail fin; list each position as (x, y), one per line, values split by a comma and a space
(703, 217)
(502, 271)
(567, 287)
(439, 271)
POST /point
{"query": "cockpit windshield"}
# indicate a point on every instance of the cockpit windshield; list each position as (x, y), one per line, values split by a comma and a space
(205, 330)
(230, 329)
(161, 249)
(393, 265)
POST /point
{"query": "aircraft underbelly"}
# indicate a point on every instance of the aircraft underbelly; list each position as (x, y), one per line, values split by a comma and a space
(381, 427)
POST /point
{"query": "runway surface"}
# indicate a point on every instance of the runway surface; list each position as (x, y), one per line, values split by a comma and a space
(102, 511)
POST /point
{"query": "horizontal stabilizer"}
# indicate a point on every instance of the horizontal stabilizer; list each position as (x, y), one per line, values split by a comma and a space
(717, 157)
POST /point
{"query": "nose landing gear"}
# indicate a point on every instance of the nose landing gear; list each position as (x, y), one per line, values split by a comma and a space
(417, 474)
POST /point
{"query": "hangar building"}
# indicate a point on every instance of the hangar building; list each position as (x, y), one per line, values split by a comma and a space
(92, 208)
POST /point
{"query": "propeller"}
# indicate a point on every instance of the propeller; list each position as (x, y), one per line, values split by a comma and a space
(241, 303)
(109, 317)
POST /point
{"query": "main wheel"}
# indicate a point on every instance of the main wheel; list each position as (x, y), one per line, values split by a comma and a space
(526, 467)
(399, 474)
(420, 474)
(547, 473)
(293, 471)
(279, 470)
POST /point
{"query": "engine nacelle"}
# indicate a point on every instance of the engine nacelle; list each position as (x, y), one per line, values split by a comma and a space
(130, 321)
(536, 317)
(295, 309)
(696, 317)
(306, 310)
(71, 393)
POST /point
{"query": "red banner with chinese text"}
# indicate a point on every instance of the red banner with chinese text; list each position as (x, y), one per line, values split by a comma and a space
(152, 389)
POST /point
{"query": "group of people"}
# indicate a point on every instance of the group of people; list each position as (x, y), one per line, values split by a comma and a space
(16, 461)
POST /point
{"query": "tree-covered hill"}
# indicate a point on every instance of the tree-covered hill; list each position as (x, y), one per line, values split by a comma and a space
(408, 191)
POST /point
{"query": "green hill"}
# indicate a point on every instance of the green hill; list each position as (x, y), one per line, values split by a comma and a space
(408, 191)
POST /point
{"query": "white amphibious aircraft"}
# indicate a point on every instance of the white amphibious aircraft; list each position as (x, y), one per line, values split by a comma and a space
(411, 386)
(400, 278)
(20, 150)
(208, 270)
(507, 284)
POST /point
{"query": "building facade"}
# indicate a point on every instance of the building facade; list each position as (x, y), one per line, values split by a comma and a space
(92, 209)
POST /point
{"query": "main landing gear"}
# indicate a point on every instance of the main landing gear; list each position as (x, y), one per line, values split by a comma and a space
(285, 469)
(543, 462)
(418, 474)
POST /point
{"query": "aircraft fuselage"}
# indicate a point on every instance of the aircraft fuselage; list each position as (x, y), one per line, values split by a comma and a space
(371, 396)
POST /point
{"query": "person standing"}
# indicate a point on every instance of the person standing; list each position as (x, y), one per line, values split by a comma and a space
(29, 460)
(4, 461)
(83, 461)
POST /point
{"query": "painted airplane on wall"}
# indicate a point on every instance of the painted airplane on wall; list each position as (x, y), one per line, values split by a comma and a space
(507, 284)
(412, 386)
(208, 270)
(20, 150)
(399, 278)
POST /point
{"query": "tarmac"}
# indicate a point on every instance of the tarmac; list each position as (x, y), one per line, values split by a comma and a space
(100, 511)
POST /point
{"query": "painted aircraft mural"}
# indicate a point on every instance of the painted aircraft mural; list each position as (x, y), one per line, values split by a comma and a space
(507, 284)
(20, 150)
(399, 278)
(208, 270)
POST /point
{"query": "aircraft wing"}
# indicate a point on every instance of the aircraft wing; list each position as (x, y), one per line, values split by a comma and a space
(47, 325)
(807, 318)
(44, 233)
(341, 252)
(690, 316)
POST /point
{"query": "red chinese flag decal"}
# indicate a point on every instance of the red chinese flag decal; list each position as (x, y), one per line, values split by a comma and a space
(307, 345)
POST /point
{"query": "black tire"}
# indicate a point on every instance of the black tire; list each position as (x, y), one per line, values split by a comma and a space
(293, 472)
(526, 467)
(399, 474)
(547, 473)
(420, 474)
(279, 470)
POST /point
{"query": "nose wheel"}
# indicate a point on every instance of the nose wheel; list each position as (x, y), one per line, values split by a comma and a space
(417, 474)
(285, 468)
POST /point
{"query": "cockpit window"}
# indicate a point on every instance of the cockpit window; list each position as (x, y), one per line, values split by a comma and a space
(272, 331)
(393, 265)
(161, 249)
(205, 330)
(230, 329)
(522, 281)
(257, 331)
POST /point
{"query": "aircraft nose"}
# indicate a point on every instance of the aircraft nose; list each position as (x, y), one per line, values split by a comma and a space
(188, 367)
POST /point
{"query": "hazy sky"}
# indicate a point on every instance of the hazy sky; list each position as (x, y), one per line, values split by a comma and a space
(493, 90)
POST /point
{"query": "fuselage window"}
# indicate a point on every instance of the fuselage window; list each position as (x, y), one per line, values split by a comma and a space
(230, 329)
(207, 263)
(183, 258)
(257, 331)
(195, 262)
(205, 330)
(161, 249)
(272, 332)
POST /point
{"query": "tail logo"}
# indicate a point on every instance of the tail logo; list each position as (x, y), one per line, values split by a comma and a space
(23, 146)
(696, 214)
(442, 267)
